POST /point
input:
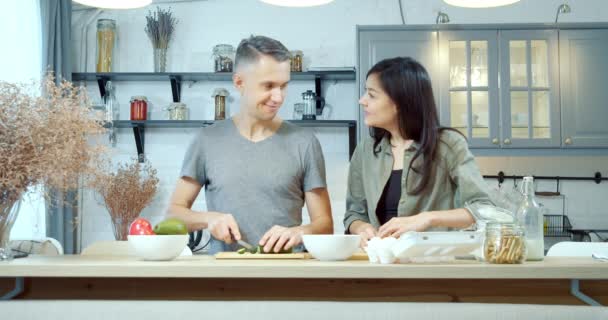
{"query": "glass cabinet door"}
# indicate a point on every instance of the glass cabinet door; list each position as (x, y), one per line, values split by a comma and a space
(530, 106)
(469, 98)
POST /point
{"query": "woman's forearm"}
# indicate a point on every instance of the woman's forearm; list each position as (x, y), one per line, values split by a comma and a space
(456, 218)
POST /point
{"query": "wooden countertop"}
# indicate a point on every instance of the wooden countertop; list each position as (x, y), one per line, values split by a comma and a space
(208, 267)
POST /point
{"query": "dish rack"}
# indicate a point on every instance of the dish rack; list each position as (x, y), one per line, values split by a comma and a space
(557, 226)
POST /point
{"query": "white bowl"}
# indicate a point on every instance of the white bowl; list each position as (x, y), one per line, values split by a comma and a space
(331, 247)
(158, 247)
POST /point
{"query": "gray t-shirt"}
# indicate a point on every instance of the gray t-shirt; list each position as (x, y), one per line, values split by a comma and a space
(261, 184)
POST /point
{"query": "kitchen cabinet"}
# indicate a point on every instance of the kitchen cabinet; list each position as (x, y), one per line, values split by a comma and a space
(530, 109)
(379, 43)
(509, 86)
(469, 84)
(584, 95)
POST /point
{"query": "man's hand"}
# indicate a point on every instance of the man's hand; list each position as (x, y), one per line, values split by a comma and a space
(398, 226)
(223, 226)
(281, 238)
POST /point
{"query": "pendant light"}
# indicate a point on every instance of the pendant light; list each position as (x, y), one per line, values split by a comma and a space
(479, 3)
(297, 3)
(115, 4)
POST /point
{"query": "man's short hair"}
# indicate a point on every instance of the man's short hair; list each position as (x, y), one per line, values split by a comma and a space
(250, 50)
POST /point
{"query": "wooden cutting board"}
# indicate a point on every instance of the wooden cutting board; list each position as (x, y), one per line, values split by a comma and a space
(298, 255)
(236, 255)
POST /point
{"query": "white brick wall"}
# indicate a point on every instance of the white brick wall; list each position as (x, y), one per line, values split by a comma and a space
(327, 37)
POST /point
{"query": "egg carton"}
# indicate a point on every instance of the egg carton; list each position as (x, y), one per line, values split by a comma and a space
(424, 247)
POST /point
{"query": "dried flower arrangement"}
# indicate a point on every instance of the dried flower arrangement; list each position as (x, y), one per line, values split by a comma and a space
(44, 139)
(159, 27)
(125, 192)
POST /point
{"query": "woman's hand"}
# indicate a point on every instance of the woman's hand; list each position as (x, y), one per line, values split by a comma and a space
(365, 230)
(400, 225)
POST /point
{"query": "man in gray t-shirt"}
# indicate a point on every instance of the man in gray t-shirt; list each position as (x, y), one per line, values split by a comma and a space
(257, 170)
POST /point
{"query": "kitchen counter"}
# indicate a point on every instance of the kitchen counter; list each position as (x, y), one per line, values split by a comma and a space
(205, 278)
(208, 267)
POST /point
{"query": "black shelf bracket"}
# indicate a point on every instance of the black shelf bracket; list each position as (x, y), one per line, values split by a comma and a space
(176, 87)
(139, 134)
(101, 82)
(318, 94)
(352, 139)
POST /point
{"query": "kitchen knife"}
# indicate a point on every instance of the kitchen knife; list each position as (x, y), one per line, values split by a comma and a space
(245, 244)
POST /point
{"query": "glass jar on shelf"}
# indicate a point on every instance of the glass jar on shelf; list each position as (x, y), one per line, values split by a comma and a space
(106, 43)
(296, 60)
(223, 55)
(139, 108)
(504, 243)
(177, 111)
(220, 95)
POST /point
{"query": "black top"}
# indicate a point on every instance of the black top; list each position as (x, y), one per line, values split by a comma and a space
(389, 201)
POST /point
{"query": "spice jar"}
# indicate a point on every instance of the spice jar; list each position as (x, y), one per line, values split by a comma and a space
(223, 55)
(220, 95)
(505, 243)
(178, 111)
(139, 108)
(106, 42)
(296, 61)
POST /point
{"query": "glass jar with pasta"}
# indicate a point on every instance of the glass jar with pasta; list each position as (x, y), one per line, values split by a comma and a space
(505, 243)
(106, 43)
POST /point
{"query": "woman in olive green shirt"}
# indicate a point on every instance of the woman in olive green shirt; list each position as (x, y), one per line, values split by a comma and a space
(411, 174)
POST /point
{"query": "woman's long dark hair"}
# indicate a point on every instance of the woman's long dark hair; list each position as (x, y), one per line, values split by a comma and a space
(408, 85)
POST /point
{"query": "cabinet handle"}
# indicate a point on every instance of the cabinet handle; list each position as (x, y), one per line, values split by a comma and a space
(507, 141)
(568, 141)
(495, 141)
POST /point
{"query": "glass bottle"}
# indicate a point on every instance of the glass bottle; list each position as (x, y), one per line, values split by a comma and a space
(112, 111)
(106, 43)
(529, 215)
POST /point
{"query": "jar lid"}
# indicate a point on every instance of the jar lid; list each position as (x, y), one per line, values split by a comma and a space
(220, 92)
(106, 23)
(177, 104)
(501, 225)
(133, 98)
(296, 52)
(222, 49)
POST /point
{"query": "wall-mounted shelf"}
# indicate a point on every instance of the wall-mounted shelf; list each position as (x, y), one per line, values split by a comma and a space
(140, 126)
(176, 78)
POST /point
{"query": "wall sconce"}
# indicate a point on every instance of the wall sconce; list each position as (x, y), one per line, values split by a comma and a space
(297, 3)
(115, 4)
(480, 3)
(563, 8)
(442, 18)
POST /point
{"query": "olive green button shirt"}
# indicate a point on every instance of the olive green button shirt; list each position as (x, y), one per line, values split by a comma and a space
(457, 180)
